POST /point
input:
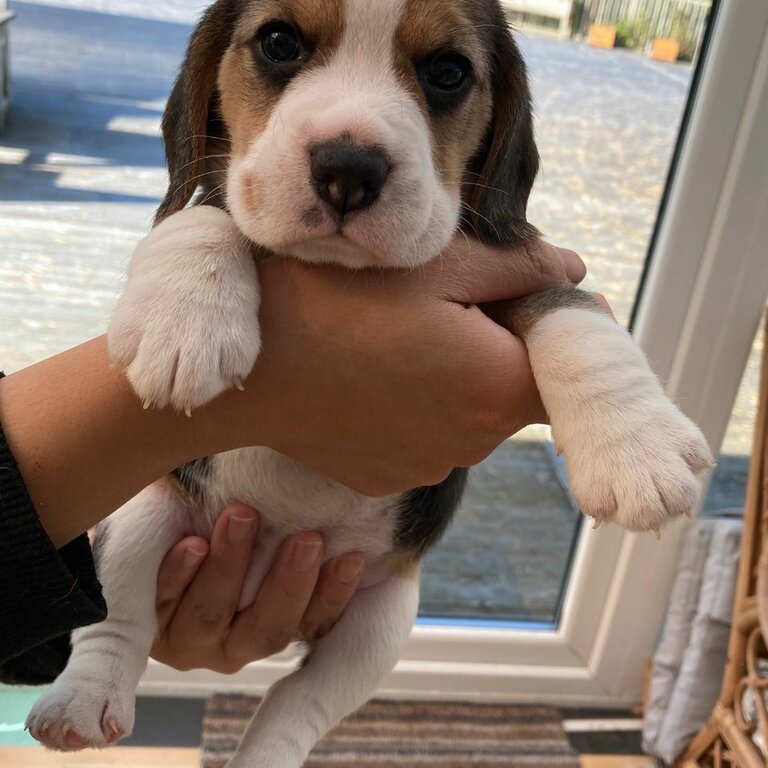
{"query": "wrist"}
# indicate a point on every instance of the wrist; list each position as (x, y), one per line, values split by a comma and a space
(83, 443)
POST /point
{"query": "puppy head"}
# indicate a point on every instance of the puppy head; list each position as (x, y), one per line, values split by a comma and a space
(361, 132)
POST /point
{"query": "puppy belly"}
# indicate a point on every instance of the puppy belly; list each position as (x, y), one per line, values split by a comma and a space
(290, 497)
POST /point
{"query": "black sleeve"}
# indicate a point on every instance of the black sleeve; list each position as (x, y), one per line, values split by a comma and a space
(45, 593)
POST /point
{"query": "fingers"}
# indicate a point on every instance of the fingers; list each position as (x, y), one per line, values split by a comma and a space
(203, 615)
(176, 573)
(575, 268)
(337, 583)
(505, 273)
(274, 618)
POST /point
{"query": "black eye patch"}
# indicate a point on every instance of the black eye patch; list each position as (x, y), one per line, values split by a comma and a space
(445, 78)
(279, 50)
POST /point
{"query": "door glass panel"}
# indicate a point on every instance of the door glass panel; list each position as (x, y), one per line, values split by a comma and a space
(729, 482)
(81, 171)
(607, 123)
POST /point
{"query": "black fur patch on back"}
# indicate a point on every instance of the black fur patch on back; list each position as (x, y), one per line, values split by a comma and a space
(193, 476)
(425, 513)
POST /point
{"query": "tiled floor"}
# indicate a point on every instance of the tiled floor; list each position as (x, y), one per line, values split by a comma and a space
(137, 757)
(168, 732)
(133, 757)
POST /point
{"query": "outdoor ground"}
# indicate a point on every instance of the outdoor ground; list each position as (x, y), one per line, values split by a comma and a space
(81, 171)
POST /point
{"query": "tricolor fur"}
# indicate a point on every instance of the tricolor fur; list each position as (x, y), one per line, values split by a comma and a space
(254, 135)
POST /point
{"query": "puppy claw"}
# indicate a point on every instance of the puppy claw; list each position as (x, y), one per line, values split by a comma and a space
(596, 524)
(146, 405)
(113, 730)
(657, 533)
(188, 411)
(239, 385)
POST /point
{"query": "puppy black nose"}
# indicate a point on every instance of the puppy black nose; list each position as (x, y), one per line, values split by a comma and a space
(348, 177)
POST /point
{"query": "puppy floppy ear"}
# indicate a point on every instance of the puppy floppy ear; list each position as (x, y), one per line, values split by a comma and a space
(191, 118)
(503, 171)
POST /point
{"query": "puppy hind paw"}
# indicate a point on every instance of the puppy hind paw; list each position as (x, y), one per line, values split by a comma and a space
(72, 716)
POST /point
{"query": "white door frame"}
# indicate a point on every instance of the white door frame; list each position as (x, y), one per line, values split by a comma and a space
(704, 294)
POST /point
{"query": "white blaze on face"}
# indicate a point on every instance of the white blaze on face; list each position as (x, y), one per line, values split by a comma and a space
(356, 94)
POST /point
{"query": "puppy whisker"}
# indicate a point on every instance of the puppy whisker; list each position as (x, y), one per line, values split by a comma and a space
(460, 184)
(193, 179)
(477, 213)
(213, 192)
(203, 159)
(205, 136)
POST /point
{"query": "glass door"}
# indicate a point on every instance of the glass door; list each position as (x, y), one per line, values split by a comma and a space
(658, 174)
(639, 157)
(607, 124)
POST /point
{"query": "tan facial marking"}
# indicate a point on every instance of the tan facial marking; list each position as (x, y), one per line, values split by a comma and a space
(248, 98)
(428, 26)
(321, 21)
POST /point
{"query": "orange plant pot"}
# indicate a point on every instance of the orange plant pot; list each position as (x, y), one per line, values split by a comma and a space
(665, 49)
(602, 36)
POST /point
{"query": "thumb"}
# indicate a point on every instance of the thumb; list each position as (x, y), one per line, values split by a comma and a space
(474, 273)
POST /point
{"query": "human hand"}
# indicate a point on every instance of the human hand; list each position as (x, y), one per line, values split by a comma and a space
(387, 379)
(199, 586)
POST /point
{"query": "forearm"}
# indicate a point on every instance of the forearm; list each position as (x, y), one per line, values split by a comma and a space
(83, 442)
(381, 384)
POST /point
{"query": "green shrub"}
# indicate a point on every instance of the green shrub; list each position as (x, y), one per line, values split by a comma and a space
(634, 33)
(682, 30)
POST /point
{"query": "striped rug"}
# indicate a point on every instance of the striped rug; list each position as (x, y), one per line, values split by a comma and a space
(395, 734)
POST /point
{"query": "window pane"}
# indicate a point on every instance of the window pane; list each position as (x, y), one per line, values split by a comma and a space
(729, 482)
(607, 124)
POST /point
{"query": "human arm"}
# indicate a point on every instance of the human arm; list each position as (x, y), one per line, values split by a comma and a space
(404, 356)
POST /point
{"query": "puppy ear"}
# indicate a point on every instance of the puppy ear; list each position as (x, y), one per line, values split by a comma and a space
(191, 118)
(503, 171)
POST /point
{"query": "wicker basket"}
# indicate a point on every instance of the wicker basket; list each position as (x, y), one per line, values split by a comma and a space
(728, 739)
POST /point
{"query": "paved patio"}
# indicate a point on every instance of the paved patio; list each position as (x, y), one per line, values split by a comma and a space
(81, 170)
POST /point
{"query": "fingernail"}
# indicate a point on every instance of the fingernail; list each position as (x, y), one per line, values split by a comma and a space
(306, 553)
(192, 557)
(348, 568)
(239, 527)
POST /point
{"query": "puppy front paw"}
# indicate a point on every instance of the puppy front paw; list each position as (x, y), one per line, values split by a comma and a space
(186, 328)
(633, 457)
(641, 470)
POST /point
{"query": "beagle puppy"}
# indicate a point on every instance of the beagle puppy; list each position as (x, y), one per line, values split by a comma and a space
(362, 133)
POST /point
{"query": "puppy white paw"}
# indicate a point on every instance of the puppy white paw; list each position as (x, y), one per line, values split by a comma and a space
(633, 457)
(642, 470)
(186, 328)
(77, 714)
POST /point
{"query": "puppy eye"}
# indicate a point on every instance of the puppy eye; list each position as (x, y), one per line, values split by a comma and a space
(447, 71)
(281, 42)
(445, 78)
